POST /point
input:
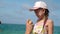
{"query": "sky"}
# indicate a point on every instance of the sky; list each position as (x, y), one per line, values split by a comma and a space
(17, 11)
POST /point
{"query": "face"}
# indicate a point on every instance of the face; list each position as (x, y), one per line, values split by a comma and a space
(39, 12)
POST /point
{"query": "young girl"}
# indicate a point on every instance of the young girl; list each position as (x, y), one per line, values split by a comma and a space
(44, 25)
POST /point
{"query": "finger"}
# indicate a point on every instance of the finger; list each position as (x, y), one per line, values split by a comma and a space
(28, 20)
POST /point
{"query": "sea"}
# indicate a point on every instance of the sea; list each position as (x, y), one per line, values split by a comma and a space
(19, 29)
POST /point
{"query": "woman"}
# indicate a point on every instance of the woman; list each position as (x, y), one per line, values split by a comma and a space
(44, 25)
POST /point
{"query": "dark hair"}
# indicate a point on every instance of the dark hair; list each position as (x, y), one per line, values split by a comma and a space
(46, 13)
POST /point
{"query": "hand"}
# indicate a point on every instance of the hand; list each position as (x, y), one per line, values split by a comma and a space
(29, 26)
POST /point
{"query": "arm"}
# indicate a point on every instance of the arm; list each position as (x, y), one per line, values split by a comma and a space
(50, 27)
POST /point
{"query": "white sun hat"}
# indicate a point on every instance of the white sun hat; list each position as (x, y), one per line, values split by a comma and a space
(39, 4)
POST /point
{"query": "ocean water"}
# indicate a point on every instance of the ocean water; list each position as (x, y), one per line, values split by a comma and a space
(19, 29)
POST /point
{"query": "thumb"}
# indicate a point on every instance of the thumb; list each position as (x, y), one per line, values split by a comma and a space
(30, 22)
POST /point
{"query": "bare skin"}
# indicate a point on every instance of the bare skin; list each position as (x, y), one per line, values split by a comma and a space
(41, 17)
(29, 26)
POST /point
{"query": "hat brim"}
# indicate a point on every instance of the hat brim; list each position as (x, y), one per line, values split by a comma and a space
(34, 8)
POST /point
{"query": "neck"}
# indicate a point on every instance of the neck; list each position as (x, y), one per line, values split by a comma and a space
(42, 19)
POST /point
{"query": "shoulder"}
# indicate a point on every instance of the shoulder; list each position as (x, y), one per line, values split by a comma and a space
(50, 22)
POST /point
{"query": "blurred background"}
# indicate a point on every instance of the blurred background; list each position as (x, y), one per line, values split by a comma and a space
(14, 13)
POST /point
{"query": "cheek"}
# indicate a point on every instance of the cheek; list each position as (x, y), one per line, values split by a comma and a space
(40, 13)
